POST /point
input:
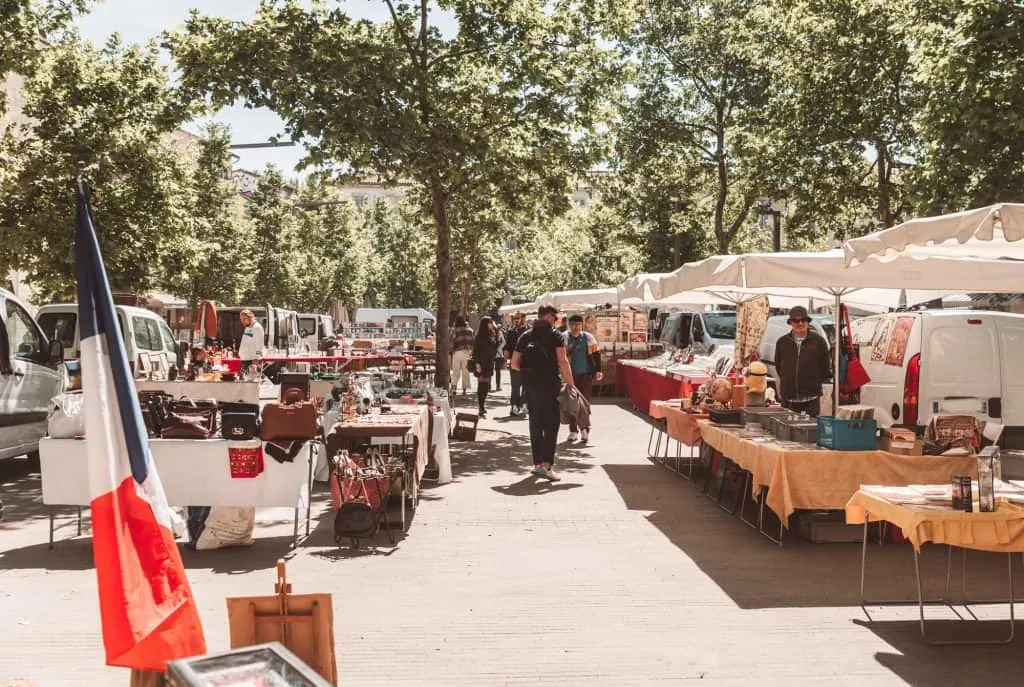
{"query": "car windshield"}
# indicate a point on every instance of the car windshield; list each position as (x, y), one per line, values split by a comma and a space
(307, 325)
(59, 326)
(720, 325)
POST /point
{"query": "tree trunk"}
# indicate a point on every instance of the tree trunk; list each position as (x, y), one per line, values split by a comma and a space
(467, 282)
(439, 208)
(723, 237)
(884, 201)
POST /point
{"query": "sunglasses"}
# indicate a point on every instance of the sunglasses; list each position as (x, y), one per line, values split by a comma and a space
(805, 321)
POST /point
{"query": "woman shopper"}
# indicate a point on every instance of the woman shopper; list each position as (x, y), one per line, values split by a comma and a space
(485, 349)
(499, 358)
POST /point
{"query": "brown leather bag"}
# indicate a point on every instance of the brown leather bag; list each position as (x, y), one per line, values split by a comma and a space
(288, 421)
(195, 423)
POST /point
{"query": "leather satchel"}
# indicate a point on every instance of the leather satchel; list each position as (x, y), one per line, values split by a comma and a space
(239, 421)
(200, 423)
(288, 421)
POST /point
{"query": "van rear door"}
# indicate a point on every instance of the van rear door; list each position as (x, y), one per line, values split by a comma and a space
(1011, 338)
(960, 366)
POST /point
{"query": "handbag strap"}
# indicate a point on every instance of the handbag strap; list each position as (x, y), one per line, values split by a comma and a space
(844, 316)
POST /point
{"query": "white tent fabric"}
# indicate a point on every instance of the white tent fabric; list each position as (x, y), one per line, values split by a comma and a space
(643, 288)
(718, 270)
(988, 232)
(579, 298)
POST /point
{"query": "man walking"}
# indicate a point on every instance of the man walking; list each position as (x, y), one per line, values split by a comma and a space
(517, 399)
(462, 348)
(585, 362)
(802, 364)
(540, 356)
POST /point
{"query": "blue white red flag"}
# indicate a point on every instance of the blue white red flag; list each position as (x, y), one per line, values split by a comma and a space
(148, 614)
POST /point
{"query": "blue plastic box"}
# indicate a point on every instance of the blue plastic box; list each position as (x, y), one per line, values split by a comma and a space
(847, 435)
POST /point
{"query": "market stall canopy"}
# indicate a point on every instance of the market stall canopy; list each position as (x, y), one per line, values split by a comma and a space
(643, 288)
(923, 278)
(382, 315)
(866, 300)
(989, 232)
(523, 307)
(579, 298)
(718, 270)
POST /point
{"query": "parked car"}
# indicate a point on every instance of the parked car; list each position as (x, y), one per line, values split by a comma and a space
(313, 329)
(962, 362)
(144, 331)
(778, 325)
(703, 332)
(30, 375)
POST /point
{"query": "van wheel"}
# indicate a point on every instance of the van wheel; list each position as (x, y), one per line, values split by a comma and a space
(33, 460)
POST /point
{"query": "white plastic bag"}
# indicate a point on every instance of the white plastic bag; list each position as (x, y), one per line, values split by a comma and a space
(66, 418)
(226, 526)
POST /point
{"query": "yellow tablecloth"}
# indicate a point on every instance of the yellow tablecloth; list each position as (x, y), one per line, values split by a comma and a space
(659, 409)
(1001, 531)
(815, 478)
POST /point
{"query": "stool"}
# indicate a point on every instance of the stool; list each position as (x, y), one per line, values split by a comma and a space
(465, 426)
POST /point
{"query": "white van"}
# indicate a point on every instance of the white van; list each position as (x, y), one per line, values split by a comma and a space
(778, 325)
(701, 332)
(30, 376)
(963, 362)
(143, 330)
(313, 329)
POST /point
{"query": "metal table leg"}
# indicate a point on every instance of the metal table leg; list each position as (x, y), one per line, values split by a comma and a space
(655, 427)
(51, 529)
(309, 482)
(760, 523)
(743, 504)
(964, 642)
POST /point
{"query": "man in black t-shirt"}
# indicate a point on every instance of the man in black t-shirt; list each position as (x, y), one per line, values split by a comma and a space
(540, 356)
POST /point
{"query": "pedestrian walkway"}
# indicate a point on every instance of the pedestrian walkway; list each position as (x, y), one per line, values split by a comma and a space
(620, 574)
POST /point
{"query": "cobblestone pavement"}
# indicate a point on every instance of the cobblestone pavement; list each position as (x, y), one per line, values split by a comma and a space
(621, 574)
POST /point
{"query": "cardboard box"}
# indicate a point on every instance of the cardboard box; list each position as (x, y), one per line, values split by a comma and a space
(901, 446)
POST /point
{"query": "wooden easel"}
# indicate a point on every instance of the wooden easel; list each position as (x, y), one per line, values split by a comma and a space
(303, 623)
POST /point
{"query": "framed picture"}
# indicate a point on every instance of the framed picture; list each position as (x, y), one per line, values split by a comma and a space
(638, 337)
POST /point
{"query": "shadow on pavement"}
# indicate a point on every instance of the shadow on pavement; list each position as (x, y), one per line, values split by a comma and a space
(921, 665)
(21, 495)
(532, 485)
(498, 452)
(757, 573)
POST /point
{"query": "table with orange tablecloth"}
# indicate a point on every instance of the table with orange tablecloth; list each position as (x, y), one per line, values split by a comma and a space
(926, 520)
(800, 476)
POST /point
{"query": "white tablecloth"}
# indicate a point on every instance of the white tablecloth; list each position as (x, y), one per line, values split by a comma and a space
(245, 392)
(193, 472)
(441, 452)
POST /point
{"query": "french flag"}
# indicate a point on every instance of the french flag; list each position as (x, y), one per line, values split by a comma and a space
(146, 607)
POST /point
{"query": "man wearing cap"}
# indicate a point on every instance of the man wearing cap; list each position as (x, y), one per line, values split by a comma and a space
(802, 364)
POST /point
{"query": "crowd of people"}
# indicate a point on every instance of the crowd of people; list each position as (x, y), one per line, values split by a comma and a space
(552, 369)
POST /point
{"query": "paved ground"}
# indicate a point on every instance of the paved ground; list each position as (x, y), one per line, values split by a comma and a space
(622, 574)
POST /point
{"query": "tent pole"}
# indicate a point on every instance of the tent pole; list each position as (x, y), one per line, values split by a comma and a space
(835, 355)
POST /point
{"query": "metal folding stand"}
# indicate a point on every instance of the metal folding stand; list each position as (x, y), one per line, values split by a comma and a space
(760, 520)
(921, 601)
(53, 526)
(747, 481)
(659, 425)
(728, 467)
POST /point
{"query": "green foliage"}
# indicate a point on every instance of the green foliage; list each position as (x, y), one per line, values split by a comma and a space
(400, 260)
(275, 241)
(26, 29)
(688, 140)
(495, 106)
(220, 264)
(971, 122)
(105, 113)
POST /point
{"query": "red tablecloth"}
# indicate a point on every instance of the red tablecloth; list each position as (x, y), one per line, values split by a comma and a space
(643, 386)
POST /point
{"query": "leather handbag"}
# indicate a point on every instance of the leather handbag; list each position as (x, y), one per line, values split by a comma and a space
(154, 406)
(288, 421)
(294, 381)
(197, 423)
(239, 421)
(852, 375)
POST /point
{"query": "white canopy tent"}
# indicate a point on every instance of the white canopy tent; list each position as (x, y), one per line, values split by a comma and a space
(884, 282)
(643, 288)
(994, 231)
(579, 298)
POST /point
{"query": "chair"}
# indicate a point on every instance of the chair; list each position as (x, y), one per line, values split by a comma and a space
(465, 426)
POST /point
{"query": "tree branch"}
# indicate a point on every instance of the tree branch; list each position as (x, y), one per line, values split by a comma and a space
(399, 32)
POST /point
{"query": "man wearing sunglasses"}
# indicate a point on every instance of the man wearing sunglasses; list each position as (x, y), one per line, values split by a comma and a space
(802, 364)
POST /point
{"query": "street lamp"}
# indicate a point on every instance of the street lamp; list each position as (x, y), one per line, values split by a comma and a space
(776, 206)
